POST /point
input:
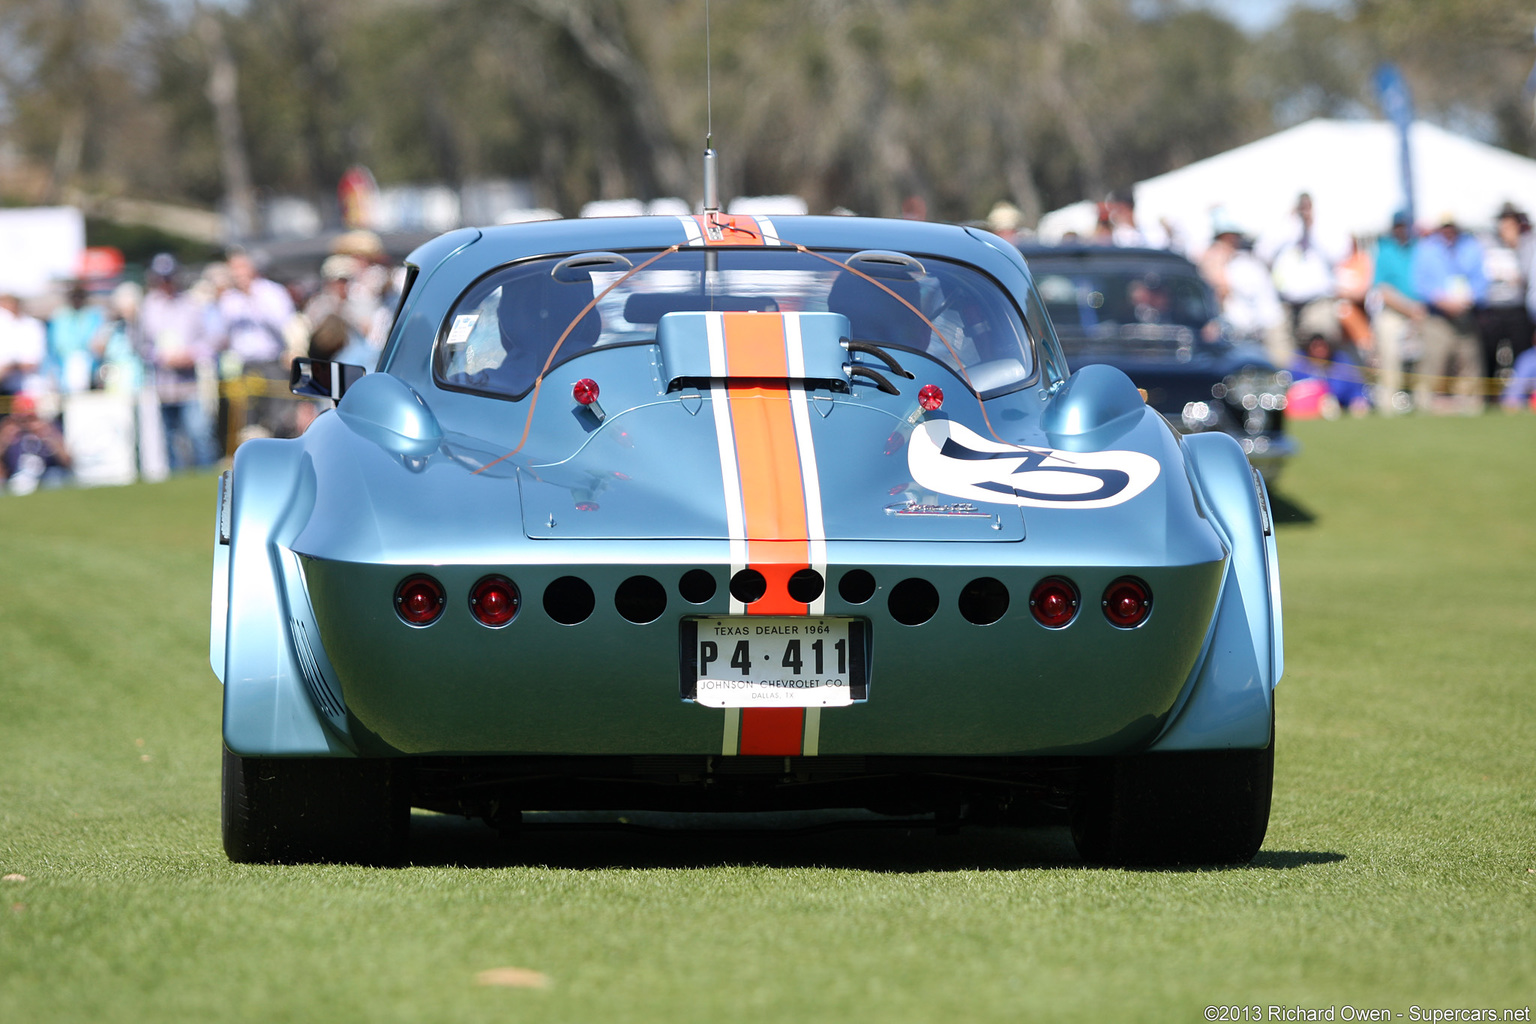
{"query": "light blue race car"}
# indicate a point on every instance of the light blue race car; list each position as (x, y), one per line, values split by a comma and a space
(738, 513)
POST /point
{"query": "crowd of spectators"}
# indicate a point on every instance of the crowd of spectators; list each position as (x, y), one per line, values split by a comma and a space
(1432, 317)
(1436, 317)
(177, 347)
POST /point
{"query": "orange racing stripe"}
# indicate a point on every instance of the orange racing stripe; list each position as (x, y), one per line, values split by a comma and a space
(773, 499)
(730, 229)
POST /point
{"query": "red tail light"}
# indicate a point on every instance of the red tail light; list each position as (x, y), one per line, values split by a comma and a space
(1127, 602)
(419, 600)
(494, 601)
(584, 391)
(930, 397)
(1054, 602)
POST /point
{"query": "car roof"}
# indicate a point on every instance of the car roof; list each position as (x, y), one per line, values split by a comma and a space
(505, 243)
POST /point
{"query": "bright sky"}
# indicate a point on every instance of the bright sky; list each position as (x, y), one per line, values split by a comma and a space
(1258, 15)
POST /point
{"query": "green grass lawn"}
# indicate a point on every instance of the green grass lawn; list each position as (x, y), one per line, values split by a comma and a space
(1399, 871)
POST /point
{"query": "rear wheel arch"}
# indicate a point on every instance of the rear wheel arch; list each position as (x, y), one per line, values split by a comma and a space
(1178, 807)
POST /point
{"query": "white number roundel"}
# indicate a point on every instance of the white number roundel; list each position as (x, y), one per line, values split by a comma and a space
(952, 459)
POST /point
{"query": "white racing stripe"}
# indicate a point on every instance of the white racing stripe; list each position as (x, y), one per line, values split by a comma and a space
(691, 229)
(714, 334)
(794, 347)
(725, 439)
(816, 529)
(811, 745)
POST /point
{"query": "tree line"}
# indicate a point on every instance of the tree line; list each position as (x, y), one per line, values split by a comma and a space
(857, 104)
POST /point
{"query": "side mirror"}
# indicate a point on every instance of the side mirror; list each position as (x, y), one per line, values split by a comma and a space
(322, 378)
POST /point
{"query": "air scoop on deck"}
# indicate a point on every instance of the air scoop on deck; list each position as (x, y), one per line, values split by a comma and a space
(808, 348)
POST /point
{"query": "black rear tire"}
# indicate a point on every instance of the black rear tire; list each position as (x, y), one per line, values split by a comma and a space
(310, 809)
(1183, 807)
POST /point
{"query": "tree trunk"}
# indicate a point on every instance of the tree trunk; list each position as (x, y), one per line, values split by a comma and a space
(223, 94)
(603, 47)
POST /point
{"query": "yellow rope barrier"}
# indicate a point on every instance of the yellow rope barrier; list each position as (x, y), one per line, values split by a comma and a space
(239, 391)
(1358, 374)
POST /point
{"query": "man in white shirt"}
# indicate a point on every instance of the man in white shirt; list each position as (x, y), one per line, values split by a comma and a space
(175, 326)
(254, 312)
(1302, 266)
(23, 348)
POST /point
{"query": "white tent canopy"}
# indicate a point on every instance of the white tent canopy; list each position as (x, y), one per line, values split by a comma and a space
(39, 247)
(1350, 168)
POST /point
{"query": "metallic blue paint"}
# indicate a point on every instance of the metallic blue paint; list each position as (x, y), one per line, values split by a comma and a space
(1231, 699)
(410, 477)
(387, 412)
(1093, 406)
(266, 707)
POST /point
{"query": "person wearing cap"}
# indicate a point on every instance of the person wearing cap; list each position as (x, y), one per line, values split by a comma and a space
(178, 328)
(1398, 311)
(32, 451)
(341, 298)
(336, 323)
(333, 298)
(1448, 275)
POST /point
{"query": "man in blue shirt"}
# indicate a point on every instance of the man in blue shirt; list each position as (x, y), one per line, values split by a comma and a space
(1400, 309)
(1448, 276)
(75, 341)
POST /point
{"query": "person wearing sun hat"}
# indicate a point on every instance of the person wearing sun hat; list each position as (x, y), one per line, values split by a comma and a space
(1448, 276)
(1005, 220)
(1504, 326)
(1241, 282)
(337, 323)
(372, 292)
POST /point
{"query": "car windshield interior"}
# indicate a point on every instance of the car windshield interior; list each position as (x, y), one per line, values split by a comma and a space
(505, 328)
(1131, 302)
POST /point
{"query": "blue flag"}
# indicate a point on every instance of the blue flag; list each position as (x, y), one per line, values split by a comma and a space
(1397, 103)
(1393, 95)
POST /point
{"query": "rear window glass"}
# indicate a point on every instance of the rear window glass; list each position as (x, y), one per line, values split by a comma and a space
(508, 326)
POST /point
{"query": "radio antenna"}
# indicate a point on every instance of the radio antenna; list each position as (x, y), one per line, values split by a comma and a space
(711, 181)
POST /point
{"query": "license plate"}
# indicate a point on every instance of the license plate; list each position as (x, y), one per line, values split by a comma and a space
(774, 662)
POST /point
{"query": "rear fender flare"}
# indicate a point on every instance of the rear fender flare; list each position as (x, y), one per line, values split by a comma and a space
(1228, 703)
(267, 710)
